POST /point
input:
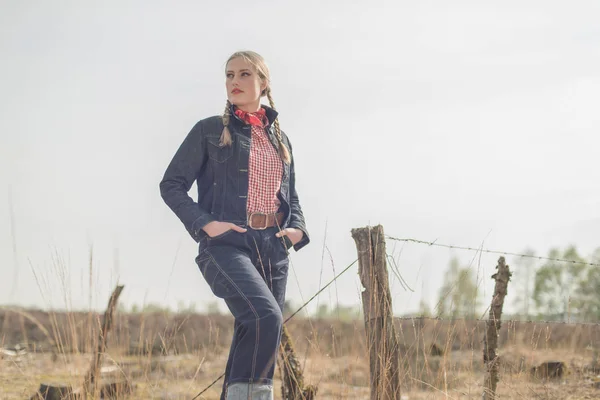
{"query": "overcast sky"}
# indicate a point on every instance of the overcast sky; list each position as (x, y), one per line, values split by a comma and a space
(466, 122)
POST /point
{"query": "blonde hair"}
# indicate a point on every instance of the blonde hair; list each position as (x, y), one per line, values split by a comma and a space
(260, 67)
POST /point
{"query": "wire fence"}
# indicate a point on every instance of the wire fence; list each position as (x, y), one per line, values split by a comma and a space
(481, 250)
(508, 320)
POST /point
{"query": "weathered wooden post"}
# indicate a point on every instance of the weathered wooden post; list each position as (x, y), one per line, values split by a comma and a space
(292, 378)
(490, 340)
(91, 386)
(377, 305)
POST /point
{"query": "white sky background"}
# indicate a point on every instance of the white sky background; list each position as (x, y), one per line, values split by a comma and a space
(465, 123)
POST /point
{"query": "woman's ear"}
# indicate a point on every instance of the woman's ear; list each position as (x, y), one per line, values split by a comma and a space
(264, 89)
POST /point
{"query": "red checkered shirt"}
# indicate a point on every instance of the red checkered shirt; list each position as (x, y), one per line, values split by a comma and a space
(265, 170)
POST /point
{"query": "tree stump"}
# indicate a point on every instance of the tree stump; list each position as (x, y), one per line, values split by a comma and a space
(115, 389)
(49, 391)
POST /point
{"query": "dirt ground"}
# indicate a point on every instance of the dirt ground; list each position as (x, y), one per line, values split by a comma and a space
(176, 356)
(182, 377)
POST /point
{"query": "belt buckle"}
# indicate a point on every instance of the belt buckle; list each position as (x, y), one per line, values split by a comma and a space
(262, 228)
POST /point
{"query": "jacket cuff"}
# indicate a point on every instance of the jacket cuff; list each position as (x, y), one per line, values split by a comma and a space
(305, 239)
(196, 230)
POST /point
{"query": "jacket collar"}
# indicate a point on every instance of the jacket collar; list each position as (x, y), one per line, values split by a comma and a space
(271, 116)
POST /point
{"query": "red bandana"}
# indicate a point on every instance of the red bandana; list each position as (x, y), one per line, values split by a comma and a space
(258, 118)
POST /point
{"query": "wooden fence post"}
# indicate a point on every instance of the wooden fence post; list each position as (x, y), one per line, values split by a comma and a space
(490, 340)
(377, 305)
(292, 378)
(91, 386)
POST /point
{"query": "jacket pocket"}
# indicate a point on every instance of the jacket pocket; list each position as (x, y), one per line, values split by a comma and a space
(218, 153)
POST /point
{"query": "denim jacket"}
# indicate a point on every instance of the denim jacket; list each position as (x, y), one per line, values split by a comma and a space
(221, 174)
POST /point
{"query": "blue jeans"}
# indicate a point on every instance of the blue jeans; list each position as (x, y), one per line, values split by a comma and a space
(249, 271)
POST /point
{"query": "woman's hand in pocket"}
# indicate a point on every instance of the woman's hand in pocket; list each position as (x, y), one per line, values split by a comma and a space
(295, 235)
(216, 228)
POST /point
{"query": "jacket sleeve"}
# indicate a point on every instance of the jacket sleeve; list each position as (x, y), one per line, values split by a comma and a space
(297, 217)
(178, 178)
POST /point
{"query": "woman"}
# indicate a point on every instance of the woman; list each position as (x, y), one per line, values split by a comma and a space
(247, 218)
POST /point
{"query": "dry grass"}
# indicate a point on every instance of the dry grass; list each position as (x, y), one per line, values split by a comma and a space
(190, 351)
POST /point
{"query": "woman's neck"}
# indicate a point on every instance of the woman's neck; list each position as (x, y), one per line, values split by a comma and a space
(250, 108)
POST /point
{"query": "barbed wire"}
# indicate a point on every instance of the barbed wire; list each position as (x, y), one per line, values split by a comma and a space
(504, 321)
(506, 253)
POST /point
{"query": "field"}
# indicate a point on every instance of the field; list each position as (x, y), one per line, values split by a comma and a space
(175, 356)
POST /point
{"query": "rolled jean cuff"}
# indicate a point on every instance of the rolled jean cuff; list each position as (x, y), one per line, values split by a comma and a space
(245, 391)
(257, 381)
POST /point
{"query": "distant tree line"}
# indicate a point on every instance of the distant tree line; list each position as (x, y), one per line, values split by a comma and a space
(540, 289)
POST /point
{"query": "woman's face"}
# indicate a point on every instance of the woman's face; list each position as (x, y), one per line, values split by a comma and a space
(244, 86)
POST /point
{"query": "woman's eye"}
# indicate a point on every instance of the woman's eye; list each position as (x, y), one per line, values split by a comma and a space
(229, 76)
(245, 73)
